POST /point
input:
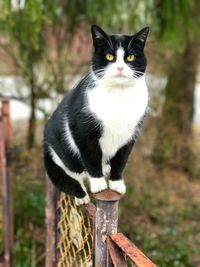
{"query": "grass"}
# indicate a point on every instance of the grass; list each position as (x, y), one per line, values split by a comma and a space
(29, 204)
(29, 225)
(166, 232)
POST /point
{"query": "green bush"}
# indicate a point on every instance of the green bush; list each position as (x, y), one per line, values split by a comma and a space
(168, 234)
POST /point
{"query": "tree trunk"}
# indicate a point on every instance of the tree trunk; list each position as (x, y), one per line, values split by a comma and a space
(32, 118)
(175, 125)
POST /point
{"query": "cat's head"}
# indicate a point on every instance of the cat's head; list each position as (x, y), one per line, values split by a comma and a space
(118, 58)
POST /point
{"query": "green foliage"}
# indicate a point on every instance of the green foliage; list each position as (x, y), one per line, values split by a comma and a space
(118, 15)
(28, 251)
(177, 22)
(24, 26)
(29, 206)
(166, 232)
(30, 199)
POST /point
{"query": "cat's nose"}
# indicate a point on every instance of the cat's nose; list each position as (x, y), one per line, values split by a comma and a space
(120, 68)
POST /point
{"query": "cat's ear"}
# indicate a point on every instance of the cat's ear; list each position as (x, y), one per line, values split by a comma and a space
(99, 36)
(140, 38)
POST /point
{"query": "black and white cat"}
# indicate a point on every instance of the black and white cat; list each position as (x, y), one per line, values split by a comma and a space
(91, 133)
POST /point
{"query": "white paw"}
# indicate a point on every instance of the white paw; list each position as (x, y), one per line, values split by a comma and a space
(82, 201)
(118, 186)
(98, 184)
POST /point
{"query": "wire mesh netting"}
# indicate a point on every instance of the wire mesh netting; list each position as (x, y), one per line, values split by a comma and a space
(74, 235)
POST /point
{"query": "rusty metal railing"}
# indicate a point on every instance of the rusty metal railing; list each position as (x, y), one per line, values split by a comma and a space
(113, 248)
(5, 164)
(109, 248)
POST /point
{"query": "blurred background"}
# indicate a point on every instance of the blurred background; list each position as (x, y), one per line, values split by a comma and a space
(45, 48)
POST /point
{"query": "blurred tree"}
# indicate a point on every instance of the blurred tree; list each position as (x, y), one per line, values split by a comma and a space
(22, 24)
(31, 27)
(178, 22)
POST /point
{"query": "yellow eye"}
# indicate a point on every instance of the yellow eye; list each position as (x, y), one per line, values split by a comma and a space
(109, 57)
(130, 58)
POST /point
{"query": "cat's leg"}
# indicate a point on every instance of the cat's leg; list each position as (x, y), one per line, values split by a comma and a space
(64, 182)
(86, 198)
(117, 164)
(91, 156)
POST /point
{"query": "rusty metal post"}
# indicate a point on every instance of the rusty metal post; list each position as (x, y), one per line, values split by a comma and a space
(106, 224)
(51, 220)
(6, 136)
(7, 123)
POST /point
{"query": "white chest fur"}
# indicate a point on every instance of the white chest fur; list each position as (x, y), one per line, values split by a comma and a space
(119, 110)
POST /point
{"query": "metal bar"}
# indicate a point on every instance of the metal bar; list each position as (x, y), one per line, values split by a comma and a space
(91, 211)
(57, 233)
(93, 243)
(132, 251)
(6, 137)
(116, 254)
(51, 224)
(7, 122)
(7, 253)
(106, 224)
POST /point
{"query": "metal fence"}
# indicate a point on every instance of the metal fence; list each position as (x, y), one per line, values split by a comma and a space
(5, 164)
(87, 236)
(69, 239)
(74, 227)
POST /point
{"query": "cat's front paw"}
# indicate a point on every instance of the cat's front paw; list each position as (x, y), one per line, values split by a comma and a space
(98, 184)
(117, 186)
(82, 201)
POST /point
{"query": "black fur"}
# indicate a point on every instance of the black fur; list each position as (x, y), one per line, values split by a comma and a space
(86, 130)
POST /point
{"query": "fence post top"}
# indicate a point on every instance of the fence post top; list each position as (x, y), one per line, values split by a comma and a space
(108, 195)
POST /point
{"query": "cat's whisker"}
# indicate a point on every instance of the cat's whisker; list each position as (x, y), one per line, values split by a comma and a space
(138, 71)
(137, 74)
(99, 72)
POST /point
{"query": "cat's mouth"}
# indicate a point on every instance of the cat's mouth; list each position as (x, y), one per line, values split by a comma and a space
(121, 75)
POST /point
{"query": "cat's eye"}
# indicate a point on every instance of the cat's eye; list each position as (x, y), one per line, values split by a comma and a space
(130, 58)
(110, 57)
